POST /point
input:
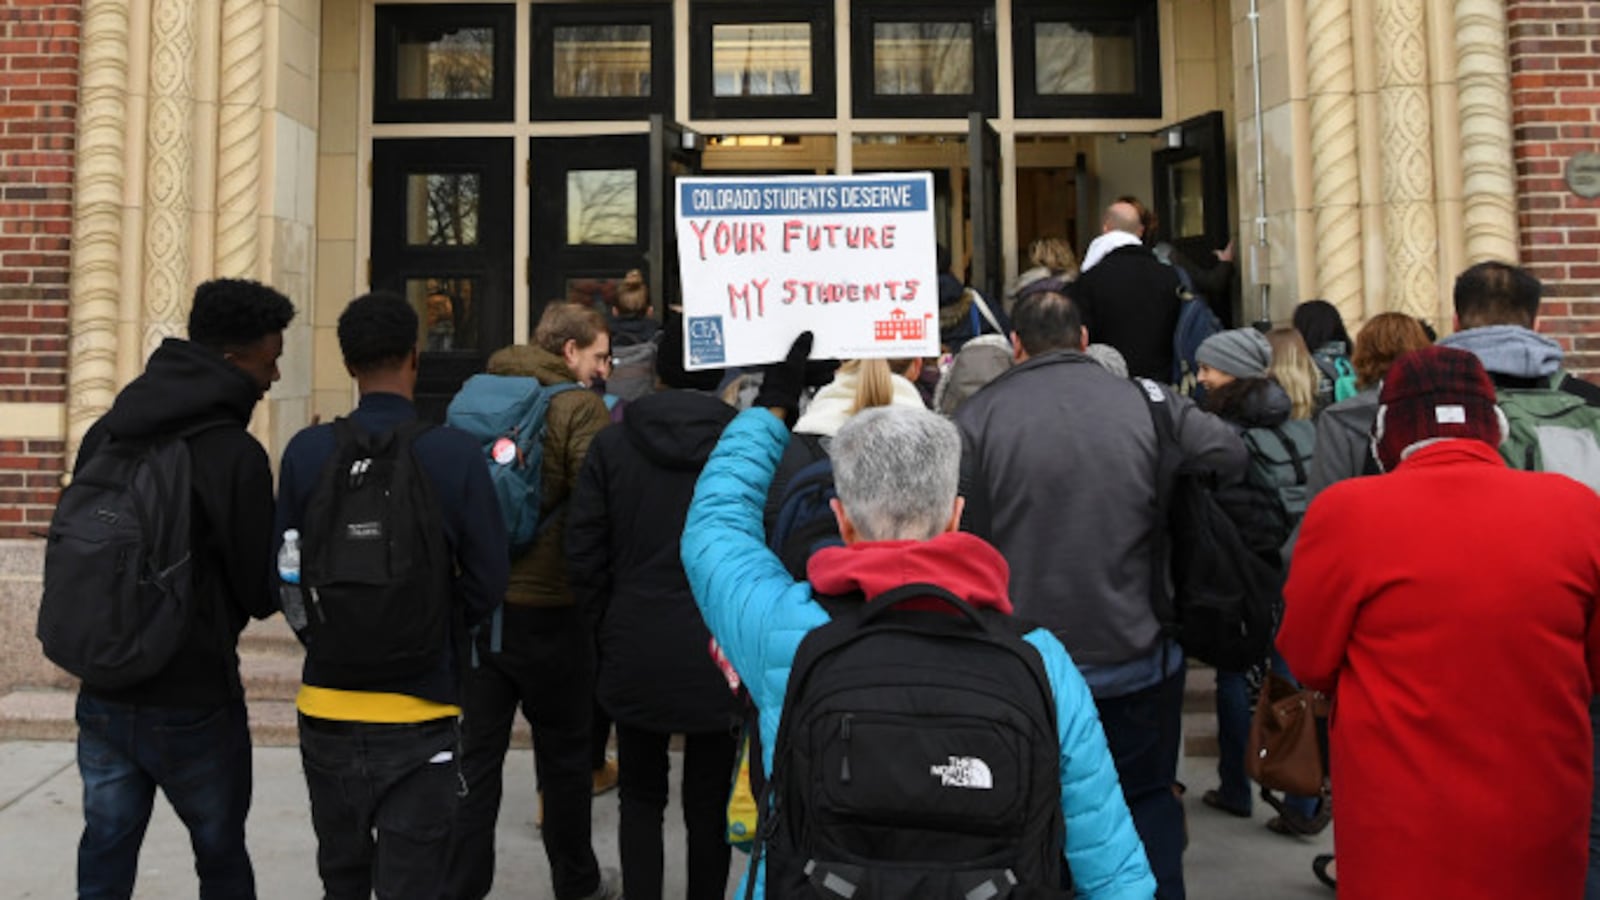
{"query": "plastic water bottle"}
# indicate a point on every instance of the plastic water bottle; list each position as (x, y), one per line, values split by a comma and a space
(289, 594)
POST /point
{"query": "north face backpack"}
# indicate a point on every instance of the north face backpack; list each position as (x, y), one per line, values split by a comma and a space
(917, 757)
(375, 569)
(1551, 431)
(805, 521)
(1225, 600)
(506, 413)
(118, 566)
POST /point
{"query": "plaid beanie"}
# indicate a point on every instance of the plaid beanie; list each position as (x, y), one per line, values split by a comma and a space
(1436, 392)
(1242, 353)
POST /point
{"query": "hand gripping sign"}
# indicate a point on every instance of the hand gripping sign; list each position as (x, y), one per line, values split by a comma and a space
(850, 258)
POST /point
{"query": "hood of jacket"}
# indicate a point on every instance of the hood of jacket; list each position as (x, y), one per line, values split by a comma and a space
(831, 407)
(625, 332)
(530, 360)
(1265, 405)
(183, 384)
(1509, 350)
(959, 562)
(676, 429)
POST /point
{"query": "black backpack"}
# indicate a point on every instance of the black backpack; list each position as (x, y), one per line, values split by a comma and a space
(375, 569)
(917, 756)
(1226, 599)
(805, 522)
(118, 564)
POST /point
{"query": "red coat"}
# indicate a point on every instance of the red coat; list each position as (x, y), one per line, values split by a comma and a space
(1450, 607)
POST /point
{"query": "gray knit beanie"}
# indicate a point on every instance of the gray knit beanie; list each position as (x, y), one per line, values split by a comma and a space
(1242, 353)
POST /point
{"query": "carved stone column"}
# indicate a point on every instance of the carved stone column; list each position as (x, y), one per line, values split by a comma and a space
(1483, 63)
(239, 140)
(169, 156)
(1405, 118)
(97, 221)
(1336, 173)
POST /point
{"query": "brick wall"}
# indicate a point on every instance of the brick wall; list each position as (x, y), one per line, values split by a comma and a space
(1555, 101)
(38, 110)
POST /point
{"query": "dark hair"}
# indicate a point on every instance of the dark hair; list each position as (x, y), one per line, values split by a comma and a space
(1319, 322)
(233, 312)
(1047, 321)
(1233, 401)
(1497, 293)
(377, 331)
(563, 321)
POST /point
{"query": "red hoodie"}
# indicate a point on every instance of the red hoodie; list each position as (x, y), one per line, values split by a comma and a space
(962, 564)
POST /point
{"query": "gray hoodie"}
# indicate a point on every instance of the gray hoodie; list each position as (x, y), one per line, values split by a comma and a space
(1509, 350)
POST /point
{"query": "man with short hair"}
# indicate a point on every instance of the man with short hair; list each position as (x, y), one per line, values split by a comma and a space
(1059, 473)
(896, 471)
(546, 664)
(185, 729)
(1127, 297)
(380, 751)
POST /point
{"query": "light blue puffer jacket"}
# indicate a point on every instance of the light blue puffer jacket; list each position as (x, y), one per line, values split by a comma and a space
(759, 614)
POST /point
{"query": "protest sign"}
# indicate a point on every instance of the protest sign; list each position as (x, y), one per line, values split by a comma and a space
(850, 258)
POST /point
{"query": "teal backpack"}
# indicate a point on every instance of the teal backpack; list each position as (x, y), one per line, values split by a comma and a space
(1552, 431)
(506, 414)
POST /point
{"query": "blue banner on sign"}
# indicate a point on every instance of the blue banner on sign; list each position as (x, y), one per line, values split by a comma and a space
(839, 197)
(706, 346)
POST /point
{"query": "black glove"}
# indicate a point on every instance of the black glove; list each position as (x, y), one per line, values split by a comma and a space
(782, 382)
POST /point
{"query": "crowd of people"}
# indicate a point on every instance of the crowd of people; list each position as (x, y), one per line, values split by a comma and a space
(992, 522)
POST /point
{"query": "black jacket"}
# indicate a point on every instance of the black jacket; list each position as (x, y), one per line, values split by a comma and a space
(623, 564)
(185, 384)
(1130, 301)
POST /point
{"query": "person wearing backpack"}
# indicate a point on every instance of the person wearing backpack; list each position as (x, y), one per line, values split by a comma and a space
(635, 340)
(1060, 473)
(894, 794)
(1554, 416)
(1320, 324)
(655, 677)
(1265, 507)
(543, 662)
(171, 713)
(385, 632)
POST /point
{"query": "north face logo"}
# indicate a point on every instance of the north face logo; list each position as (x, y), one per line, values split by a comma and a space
(965, 772)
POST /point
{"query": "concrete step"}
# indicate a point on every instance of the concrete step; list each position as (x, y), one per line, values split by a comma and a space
(272, 636)
(269, 676)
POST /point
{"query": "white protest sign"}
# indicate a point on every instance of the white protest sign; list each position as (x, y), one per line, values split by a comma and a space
(850, 258)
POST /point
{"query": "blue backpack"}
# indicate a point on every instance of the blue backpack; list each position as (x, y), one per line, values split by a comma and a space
(1196, 322)
(506, 413)
(805, 522)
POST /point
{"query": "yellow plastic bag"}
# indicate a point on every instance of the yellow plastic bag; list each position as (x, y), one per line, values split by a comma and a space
(742, 809)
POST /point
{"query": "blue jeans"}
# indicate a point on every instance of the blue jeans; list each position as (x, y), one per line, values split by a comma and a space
(1143, 731)
(383, 803)
(200, 758)
(1233, 732)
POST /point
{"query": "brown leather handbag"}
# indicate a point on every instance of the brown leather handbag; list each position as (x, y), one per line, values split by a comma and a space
(1288, 747)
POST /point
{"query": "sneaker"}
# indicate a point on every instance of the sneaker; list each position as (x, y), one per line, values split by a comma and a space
(605, 777)
(610, 884)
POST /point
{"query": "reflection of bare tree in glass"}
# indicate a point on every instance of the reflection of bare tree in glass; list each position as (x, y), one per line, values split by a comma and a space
(461, 65)
(923, 58)
(453, 209)
(602, 61)
(602, 207)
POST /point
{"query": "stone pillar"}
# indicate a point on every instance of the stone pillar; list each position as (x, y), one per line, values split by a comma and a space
(1410, 229)
(1336, 171)
(169, 149)
(239, 140)
(1483, 71)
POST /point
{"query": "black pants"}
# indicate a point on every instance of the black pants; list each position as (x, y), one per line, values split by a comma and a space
(1143, 730)
(707, 774)
(547, 668)
(383, 802)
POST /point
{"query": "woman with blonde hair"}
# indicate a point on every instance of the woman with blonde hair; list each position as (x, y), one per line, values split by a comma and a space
(1054, 265)
(1294, 371)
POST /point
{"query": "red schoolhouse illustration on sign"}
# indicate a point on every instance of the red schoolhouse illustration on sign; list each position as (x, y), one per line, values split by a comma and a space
(899, 328)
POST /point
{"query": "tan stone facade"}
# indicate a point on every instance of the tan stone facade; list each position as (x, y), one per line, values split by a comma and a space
(1402, 141)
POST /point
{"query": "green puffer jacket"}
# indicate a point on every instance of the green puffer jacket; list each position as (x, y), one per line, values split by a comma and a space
(539, 577)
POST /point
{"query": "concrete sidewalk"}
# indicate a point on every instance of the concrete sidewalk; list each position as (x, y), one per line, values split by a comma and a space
(40, 818)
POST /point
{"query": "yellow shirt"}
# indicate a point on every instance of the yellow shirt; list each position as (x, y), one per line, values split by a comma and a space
(369, 706)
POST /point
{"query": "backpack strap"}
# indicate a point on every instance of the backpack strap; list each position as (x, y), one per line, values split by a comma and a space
(1294, 454)
(982, 307)
(1168, 461)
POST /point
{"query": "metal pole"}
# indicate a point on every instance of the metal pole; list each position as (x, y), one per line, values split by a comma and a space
(1259, 264)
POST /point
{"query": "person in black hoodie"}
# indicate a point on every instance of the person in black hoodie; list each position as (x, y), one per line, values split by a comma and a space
(656, 674)
(184, 729)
